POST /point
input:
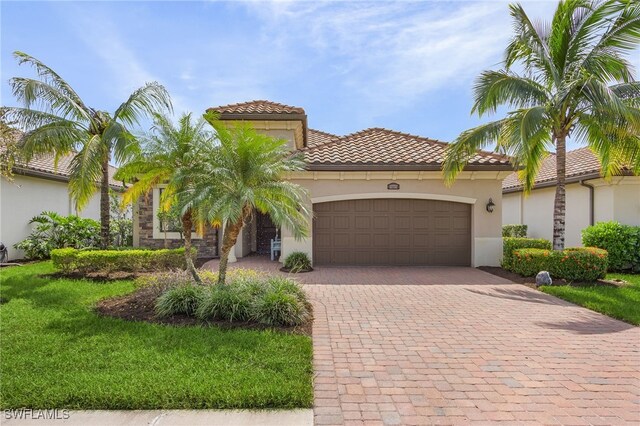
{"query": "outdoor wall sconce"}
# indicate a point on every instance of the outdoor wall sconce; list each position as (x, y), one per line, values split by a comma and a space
(490, 205)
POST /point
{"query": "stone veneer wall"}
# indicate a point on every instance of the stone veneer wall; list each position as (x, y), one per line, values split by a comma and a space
(207, 246)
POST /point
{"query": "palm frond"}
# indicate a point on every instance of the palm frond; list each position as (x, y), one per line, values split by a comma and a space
(50, 77)
(465, 146)
(58, 137)
(86, 171)
(144, 102)
(495, 88)
(44, 96)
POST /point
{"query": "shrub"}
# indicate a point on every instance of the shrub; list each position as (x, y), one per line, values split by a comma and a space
(621, 241)
(55, 231)
(575, 264)
(230, 302)
(509, 244)
(89, 261)
(297, 261)
(278, 307)
(516, 231)
(286, 285)
(248, 296)
(183, 299)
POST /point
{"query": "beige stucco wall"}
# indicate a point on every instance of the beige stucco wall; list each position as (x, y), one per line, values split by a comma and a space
(473, 188)
(616, 199)
(27, 197)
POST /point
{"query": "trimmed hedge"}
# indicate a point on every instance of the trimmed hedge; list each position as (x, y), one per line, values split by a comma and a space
(517, 231)
(575, 264)
(89, 261)
(621, 241)
(509, 244)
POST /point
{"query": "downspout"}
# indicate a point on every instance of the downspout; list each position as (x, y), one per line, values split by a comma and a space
(591, 203)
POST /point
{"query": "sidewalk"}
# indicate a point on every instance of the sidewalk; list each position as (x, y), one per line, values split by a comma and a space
(162, 418)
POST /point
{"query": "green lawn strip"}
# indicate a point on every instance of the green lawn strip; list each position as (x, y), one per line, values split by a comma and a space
(618, 302)
(55, 352)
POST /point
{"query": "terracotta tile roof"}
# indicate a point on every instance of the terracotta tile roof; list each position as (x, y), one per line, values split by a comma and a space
(580, 162)
(45, 163)
(317, 137)
(383, 147)
(257, 107)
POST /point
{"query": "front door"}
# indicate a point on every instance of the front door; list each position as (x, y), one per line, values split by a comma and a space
(266, 231)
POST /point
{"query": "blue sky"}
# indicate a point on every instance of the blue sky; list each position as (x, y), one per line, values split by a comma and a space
(403, 65)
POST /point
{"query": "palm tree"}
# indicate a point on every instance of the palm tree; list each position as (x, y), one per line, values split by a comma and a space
(168, 155)
(567, 78)
(64, 124)
(246, 172)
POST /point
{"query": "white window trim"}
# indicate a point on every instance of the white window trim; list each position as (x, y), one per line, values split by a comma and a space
(157, 233)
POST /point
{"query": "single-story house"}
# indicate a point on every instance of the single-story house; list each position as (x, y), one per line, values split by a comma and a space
(590, 198)
(36, 187)
(377, 196)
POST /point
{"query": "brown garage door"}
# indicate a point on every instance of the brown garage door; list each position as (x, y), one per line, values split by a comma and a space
(392, 232)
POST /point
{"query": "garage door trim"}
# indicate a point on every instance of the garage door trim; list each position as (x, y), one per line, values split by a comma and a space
(407, 195)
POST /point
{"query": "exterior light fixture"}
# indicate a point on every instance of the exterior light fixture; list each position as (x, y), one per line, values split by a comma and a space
(490, 205)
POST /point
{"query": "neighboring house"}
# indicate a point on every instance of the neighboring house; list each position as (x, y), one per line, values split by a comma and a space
(590, 198)
(36, 187)
(377, 196)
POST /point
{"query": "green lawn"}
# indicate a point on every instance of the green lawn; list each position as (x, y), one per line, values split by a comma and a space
(55, 352)
(622, 303)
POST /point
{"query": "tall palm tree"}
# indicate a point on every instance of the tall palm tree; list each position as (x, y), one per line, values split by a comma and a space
(243, 173)
(61, 123)
(567, 78)
(168, 154)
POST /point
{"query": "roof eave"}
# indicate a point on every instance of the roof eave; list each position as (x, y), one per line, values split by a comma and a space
(400, 167)
(552, 183)
(52, 176)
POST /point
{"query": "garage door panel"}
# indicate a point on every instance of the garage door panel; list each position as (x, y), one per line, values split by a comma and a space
(362, 240)
(381, 206)
(381, 240)
(381, 222)
(362, 222)
(341, 222)
(392, 232)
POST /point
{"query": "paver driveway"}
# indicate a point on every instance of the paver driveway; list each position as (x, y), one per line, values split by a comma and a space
(457, 354)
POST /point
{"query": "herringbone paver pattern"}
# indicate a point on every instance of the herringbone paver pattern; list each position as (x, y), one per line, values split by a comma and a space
(442, 354)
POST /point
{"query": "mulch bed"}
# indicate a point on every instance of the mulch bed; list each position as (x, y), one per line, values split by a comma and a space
(283, 269)
(139, 306)
(531, 281)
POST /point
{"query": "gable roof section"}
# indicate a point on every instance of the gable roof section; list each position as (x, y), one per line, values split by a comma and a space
(378, 148)
(317, 137)
(261, 110)
(581, 163)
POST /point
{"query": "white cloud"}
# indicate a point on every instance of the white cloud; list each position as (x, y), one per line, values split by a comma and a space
(393, 53)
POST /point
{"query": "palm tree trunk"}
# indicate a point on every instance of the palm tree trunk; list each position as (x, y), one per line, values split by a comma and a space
(187, 224)
(559, 204)
(104, 204)
(231, 232)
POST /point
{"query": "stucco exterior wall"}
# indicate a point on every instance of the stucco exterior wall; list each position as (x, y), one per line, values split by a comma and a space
(616, 199)
(472, 188)
(27, 197)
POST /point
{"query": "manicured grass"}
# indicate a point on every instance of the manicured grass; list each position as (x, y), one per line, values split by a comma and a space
(622, 303)
(55, 352)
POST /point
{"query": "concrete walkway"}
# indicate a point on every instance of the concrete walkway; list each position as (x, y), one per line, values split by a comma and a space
(162, 418)
(460, 354)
